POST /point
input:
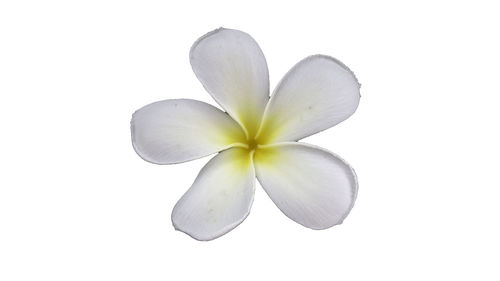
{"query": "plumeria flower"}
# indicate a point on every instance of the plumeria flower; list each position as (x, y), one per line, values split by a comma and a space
(255, 138)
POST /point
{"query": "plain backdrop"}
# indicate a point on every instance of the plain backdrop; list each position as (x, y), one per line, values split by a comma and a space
(77, 203)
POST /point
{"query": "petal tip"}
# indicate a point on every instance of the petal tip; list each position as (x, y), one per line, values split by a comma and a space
(340, 63)
(205, 36)
(346, 68)
(193, 235)
(179, 229)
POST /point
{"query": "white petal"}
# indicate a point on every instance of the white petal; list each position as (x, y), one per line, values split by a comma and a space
(220, 197)
(232, 68)
(310, 185)
(316, 94)
(174, 131)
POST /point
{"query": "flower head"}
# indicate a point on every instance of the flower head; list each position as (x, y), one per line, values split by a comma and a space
(256, 138)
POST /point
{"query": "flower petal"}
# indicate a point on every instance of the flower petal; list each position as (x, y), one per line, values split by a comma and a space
(220, 197)
(310, 185)
(316, 94)
(232, 68)
(179, 130)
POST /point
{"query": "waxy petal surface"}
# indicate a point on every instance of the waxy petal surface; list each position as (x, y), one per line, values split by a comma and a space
(310, 185)
(220, 197)
(316, 94)
(179, 130)
(232, 68)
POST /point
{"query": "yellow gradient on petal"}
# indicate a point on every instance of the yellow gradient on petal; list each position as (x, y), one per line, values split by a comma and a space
(267, 156)
(230, 135)
(241, 158)
(250, 121)
(269, 131)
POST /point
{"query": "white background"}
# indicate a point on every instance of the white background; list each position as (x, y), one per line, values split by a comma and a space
(77, 203)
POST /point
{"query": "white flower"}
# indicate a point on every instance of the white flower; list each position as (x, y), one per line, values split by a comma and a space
(256, 138)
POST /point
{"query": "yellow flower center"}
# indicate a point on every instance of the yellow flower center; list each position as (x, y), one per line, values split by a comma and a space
(255, 144)
(252, 144)
(253, 140)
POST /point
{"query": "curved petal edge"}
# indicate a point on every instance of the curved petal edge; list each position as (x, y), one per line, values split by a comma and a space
(316, 94)
(180, 130)
(232, 68)
(310, 185)
(219, 199)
